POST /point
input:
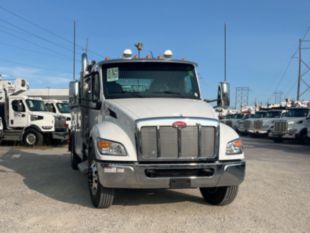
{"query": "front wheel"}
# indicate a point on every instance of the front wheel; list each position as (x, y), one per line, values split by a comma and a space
(33, 138)
(101, 197)
(219, 195)
(277, 140)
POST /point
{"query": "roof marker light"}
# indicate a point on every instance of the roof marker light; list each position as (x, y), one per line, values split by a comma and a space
(127, 54)
(168, 54)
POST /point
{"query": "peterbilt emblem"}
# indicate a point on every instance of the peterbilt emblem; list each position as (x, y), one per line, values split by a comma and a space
(179, 124)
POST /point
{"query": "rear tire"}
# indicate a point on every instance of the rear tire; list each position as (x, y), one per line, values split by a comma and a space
(75, 159)
(219, 195)
(33, 138)
(101, 197)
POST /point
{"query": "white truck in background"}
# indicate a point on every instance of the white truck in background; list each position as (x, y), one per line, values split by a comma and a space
(59, 107)
(265, 124)
(251, 124)
(142, 123)
(24, 118)
(293, 125)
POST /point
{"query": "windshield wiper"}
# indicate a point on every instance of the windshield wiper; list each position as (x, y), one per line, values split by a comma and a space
(172, 93)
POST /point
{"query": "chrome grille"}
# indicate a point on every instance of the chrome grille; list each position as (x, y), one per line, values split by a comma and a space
(247, 124)
(60, 123)
(280, 126)
(258, 124)
(166, 143)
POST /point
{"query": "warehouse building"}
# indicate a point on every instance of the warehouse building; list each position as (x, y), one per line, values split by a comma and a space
(48, 93)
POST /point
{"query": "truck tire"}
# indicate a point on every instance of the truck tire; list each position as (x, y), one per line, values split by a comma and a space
(219, 195)
(277, 140)
(302, 137)
(101, 197)
(33, 138)
(75, 159)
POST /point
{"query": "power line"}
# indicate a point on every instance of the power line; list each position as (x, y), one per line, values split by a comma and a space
(34, 35)
(289, 62)
(44, 29)
(33, 43)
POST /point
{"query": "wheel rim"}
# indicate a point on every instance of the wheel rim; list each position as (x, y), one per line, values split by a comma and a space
(93, 179)
(31, 139)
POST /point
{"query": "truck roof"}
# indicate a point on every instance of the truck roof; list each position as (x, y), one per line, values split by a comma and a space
(151, 60)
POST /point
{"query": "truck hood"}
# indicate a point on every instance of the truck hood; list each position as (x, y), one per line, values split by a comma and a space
(139, 108)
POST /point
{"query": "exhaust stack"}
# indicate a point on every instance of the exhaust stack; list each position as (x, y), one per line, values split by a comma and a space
(84, 63)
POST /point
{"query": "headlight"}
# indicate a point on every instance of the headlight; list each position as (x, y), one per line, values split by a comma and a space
(107, 147)
(234, 147)
(36, 117)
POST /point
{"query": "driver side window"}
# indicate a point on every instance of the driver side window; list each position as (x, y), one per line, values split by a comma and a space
(18, 106)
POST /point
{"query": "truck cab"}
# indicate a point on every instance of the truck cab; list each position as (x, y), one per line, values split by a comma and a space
(143, 123)
(254, 122)
(293, 125)
(264, 125)
(24, 118)
(59, 107)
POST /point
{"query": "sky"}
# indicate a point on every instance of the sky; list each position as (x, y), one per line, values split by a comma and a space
(262, 37)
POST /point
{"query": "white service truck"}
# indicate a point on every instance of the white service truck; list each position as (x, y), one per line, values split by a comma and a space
(24, 118)
(142, 123)
(293, 125)
(59, 107)
(264, 124)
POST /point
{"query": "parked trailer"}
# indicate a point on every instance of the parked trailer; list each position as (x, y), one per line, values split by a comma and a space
(142, 123)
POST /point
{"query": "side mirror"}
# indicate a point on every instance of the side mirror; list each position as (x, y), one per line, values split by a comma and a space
(223, 96)
(74, 92)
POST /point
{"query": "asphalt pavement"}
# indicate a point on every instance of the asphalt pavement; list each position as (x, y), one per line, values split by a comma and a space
(40, 193)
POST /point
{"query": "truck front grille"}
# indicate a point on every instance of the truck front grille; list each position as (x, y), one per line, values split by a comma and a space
(60, 124)
(247, 124)
(258, 124)
(166, 143)
(280, 126)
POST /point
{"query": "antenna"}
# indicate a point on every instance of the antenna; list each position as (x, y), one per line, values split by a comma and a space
(86, 46)
(139, 47)
(225, 52)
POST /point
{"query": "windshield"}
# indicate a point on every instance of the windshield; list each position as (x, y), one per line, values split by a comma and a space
(63, 107)
(156, 79)
(273, 114)
(297, 113)
(259, 115)
(35, 105)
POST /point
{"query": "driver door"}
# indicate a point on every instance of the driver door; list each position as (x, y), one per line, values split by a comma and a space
(17, 114)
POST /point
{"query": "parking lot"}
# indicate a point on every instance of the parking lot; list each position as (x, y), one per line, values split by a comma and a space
(40, 193)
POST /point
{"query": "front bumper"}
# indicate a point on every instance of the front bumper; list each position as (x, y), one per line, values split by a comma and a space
(287, 135)
(148, 176)
(60, 135)
(257, 131)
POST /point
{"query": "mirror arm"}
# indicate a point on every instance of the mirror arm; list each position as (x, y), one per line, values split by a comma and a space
(210, 101)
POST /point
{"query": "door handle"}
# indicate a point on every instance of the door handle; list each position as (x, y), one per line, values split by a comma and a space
(23, 115)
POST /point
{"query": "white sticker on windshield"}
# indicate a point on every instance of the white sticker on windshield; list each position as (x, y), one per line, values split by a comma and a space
(112, 74)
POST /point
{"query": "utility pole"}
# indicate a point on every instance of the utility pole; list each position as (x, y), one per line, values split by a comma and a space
(74, 36)
(299, 70)
(242, 97)
(303, 69)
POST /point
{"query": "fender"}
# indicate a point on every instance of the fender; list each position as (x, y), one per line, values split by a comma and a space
(227, 134)
(111, 131)
(35, 127)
